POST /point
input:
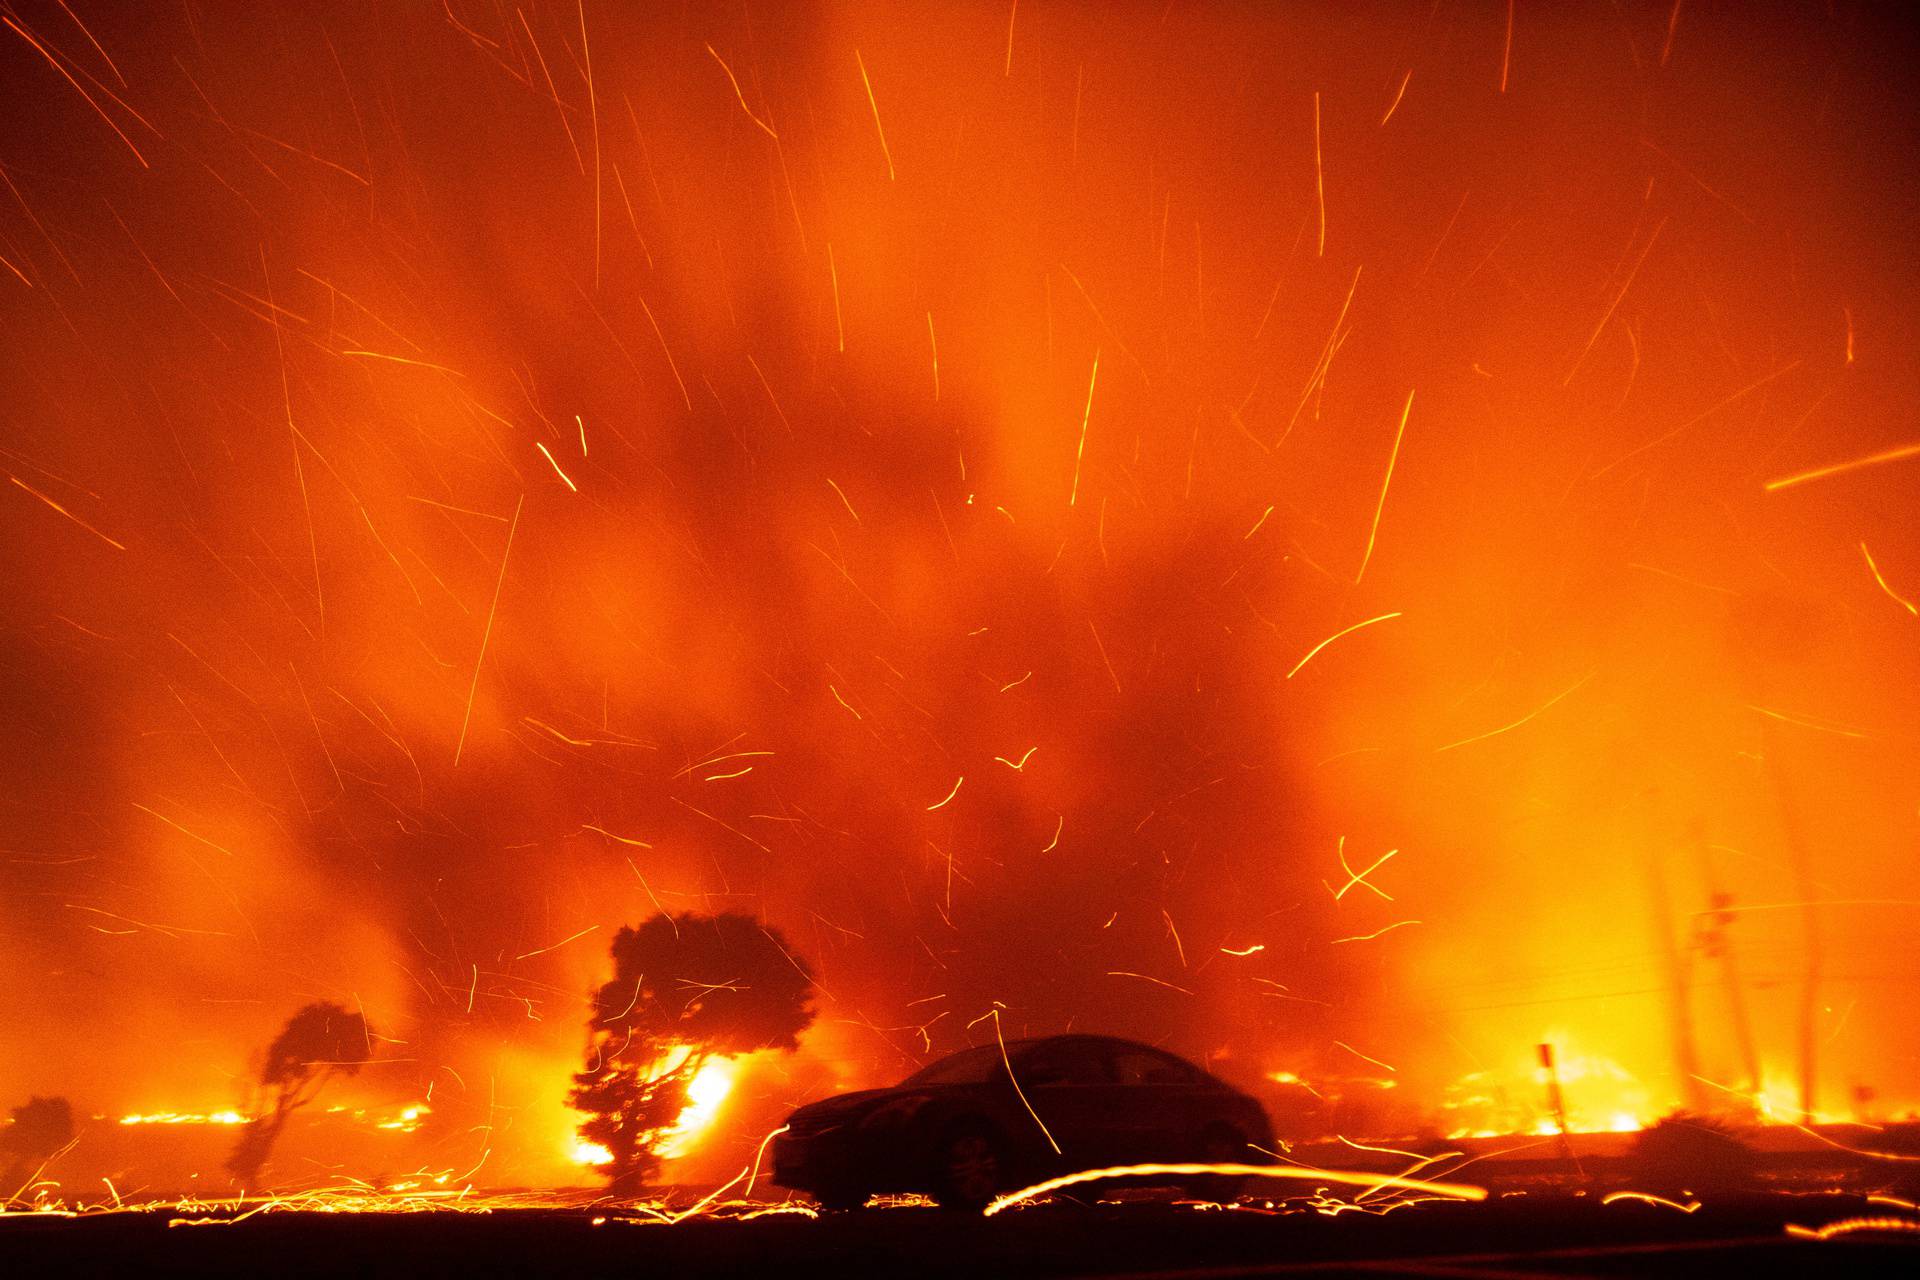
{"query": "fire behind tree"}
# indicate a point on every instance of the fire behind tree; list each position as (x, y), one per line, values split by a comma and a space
(686, 990)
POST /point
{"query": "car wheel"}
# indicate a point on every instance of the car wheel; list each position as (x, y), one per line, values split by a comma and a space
(967, 1168)
(1218, 1145)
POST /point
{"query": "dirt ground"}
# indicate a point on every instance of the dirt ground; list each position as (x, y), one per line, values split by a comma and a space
(1528, 1235)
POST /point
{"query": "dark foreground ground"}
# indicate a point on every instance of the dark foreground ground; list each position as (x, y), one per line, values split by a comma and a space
(1532, 1235)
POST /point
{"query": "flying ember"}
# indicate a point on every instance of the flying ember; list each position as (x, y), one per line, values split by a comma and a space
(589, 594)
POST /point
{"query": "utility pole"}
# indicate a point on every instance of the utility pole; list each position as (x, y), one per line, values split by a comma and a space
(1686, 1057)
(1557, 1102)
(1772, 635)
(1714, 940)
(1796, 837)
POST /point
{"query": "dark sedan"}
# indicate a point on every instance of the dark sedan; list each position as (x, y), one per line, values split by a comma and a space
(965, 1129)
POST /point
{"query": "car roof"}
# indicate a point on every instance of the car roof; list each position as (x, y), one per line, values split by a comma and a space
(1085, 1038)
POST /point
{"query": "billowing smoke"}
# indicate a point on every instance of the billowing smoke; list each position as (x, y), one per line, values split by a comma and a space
(479, 475)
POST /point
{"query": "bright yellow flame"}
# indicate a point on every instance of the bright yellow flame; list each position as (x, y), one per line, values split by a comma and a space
(589, 1153)
(1599, 1094)
(706, 1093)
(408, 1120)
(186, 1117)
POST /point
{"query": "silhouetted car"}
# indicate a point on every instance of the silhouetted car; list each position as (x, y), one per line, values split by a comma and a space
(960, 1131)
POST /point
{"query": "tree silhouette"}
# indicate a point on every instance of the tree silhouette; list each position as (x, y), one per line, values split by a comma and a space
(685, 989)
(41, 1129)
(318, 1042)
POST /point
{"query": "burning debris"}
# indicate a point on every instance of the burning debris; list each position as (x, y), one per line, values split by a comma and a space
(689, 995)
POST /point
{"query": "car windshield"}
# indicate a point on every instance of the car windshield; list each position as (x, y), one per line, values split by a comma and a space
(969, 1066)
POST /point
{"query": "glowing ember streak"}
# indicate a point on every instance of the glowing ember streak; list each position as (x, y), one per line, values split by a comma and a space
(1895, 454)
(555, 946)
(1023, 760)
(1507, 728)
(771, 398)
(1450, 1190)
(1848, 1226)
(1007, 1062)
(556, 466)
(1341, 1044)
(55, 64)
(1360, 877)
(843, 702)
(1700, 417)
(839, 325)
(950, 795)
(1345, 631)
(838, 492)
(1127, 973)
(1085, 417)
(1673, 25)
(1108, 662)
(1255, 949)
(760, 1154)
(1011, 15)
(1805, 722)
(672, 365)
(1506, 49)
(874, 103)
(117, 546)
(1369, 937)
(1288, 1077)
(732, 80)
(1777, 1112)
(1612, 306)
(593, 113)
(1325, 361)
(933, 344)
(1615, 1197)
(1319, 178)
(487, 634)
(1395, 104)
(602, 831)
(1893, 595)
(1385, 1151)
(1381, 505)
(392, 359)
(1057, 829)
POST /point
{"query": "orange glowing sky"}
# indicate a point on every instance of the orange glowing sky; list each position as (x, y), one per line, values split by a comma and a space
(478, 474)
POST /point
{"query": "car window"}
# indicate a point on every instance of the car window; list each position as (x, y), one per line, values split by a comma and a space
(1138, 1066)
(1061, 1064)
(969, 1066)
